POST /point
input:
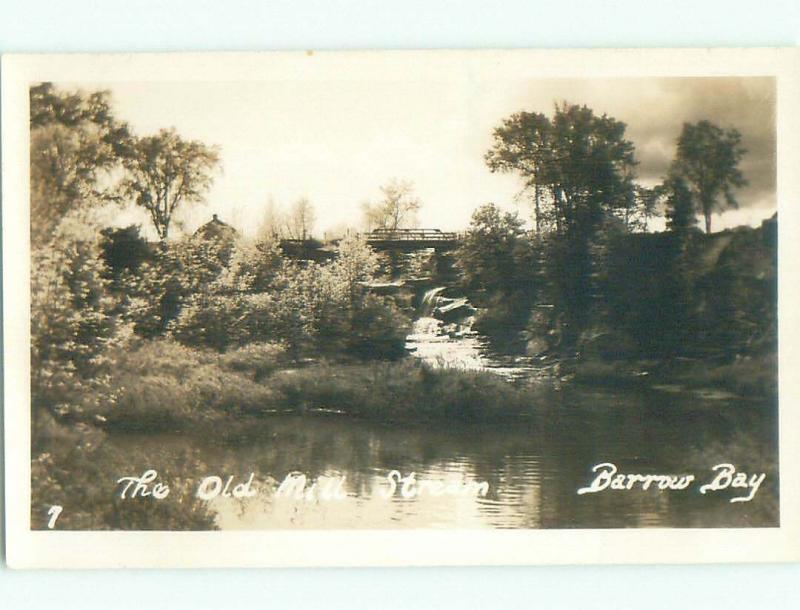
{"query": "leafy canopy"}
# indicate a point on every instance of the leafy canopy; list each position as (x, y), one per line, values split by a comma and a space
(76, 147)
(580, 163)
(165, 171)
(708, 160)
(397, 208)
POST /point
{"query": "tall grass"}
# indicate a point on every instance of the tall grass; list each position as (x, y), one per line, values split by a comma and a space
(166, 386)
(404, 391)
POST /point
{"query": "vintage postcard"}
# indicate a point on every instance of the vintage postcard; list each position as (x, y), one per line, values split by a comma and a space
(401, 308)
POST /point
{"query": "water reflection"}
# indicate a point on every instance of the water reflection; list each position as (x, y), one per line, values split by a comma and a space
(533, 468)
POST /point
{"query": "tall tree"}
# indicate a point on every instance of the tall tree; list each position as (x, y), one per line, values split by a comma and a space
(648, 203)
(708, 160)
(166, 171)
(581, 163)
(301, 219)
(76, 146)
(523, 144)
(397, 208)
(273, 222)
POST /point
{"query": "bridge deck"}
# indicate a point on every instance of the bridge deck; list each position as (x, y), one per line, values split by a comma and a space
(382, 239)
(411, 239)
(405, 235)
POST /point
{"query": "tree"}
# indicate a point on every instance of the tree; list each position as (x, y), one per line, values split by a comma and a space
(397, 209)
(522, 144)
(708, 159)
(648, 200)
(273, 222)
(488, 253)
(301, 219)
(354, 264)
(679, 207)
(166, 171)
(76, 146)
(581, 163)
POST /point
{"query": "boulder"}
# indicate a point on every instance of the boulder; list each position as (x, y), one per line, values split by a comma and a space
(458, 309)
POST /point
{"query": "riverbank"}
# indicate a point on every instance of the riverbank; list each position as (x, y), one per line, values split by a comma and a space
(752, 377)
(242, 399)
(166, 386)
(163, 386)
(550, 446)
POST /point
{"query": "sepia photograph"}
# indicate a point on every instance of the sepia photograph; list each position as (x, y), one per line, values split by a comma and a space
(394, 299)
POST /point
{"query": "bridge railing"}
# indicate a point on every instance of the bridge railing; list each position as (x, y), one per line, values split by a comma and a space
(410, 235)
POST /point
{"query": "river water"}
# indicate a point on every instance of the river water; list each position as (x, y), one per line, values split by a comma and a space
(533, 468)
(530, 471)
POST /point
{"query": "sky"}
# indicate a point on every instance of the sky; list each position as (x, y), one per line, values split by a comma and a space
(337, 142)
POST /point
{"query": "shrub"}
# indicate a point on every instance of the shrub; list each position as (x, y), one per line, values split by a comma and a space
(255, 359)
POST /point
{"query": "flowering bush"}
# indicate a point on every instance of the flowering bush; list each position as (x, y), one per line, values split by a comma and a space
(74, 323)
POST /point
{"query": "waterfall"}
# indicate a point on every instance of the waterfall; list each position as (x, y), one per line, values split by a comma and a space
(442, 336)
(429, 301)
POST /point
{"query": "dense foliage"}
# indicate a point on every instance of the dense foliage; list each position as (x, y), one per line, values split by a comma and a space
(101, 297)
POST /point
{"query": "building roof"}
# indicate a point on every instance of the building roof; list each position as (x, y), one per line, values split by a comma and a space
(216, 229)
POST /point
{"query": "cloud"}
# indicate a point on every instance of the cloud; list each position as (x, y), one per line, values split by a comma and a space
(655, 110)
(747, 105)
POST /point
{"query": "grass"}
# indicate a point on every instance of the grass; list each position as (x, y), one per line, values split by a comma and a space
(166, 386)
(403, 391)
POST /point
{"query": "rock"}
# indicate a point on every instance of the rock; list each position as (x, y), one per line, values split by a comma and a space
(540, 318)
(456, 310)
(536, 346)
(384, 288)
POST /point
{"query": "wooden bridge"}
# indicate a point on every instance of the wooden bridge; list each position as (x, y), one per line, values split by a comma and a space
(411, 239)
(402, 240)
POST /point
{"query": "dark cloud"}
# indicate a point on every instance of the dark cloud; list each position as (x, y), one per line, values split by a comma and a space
(746, 104)
(655, 110)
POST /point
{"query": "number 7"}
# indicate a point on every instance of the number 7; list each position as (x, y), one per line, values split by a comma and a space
(54, 512)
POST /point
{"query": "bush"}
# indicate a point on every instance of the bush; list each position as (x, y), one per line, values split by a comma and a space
(503, 320)
(377, 331)
(166, 386)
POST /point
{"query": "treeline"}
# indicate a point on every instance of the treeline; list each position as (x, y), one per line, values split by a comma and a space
(589, 277)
